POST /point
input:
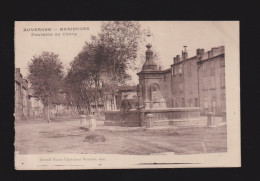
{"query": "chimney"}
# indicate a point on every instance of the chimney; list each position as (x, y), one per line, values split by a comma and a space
(210, 53)
(217, 50)
(200, 51)
(174, 60)
(178, 58)
(184, 55)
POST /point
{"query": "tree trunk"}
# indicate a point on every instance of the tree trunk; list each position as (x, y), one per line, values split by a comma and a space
(79, 110)
(114, 100)
(46, 114)
(97, 110)
(105, 103)
(49, 121)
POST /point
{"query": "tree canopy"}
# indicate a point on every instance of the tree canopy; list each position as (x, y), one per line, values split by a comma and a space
(45, 76)
(102, 64)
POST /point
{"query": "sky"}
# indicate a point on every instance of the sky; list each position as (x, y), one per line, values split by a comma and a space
(169, 37)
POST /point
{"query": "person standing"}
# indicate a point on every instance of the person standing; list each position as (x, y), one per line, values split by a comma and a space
(124, 108)
(139, 107)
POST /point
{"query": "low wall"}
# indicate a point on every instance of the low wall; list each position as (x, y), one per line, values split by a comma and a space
(113, 117)
(137, 118)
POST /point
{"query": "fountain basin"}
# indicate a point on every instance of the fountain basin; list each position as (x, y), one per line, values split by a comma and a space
(162, 116)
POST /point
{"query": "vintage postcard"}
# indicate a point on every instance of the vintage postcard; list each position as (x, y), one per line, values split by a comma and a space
(126, 94)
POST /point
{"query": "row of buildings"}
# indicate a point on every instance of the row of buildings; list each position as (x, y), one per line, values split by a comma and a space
(26, 105)
(24, 101)
(197, 81)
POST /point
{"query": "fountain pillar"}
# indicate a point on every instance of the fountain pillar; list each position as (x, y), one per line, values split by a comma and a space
(149, 82)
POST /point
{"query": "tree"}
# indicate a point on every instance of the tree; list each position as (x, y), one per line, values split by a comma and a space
(76, 94)
(102, 65)
(121, 41)
(45, 76)
(82, 83)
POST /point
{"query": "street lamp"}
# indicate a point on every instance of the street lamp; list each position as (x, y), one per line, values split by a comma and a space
(149, 39)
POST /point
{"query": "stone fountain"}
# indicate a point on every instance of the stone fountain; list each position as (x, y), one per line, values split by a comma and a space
(151, 101)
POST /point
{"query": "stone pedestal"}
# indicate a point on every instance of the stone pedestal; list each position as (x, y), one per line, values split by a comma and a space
(92, 123)
(83, 121)
(149, 120)
(211, 119)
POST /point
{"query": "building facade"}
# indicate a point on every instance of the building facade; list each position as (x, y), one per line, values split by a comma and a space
(26, 105)
(22, 102)
(211, 75)
(36, 109)
(198, 81)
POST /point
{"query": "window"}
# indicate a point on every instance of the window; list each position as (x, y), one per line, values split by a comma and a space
(212, 68)
(181, 87)
(196, 102)
(208, 82)
(205, 83)
(212, 82)
(204, 66)
(213, 104)
(180, 69)
(190, 88)
(183, 102)
(212, 64)
(222, 80)
(175, 70)
(189, 103)
(205, 103)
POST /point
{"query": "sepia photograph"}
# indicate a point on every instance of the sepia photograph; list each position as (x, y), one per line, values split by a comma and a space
(126, 94)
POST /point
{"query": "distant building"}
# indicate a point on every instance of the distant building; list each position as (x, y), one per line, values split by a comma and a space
(26, 104)
(36, 110)
(22, 102)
